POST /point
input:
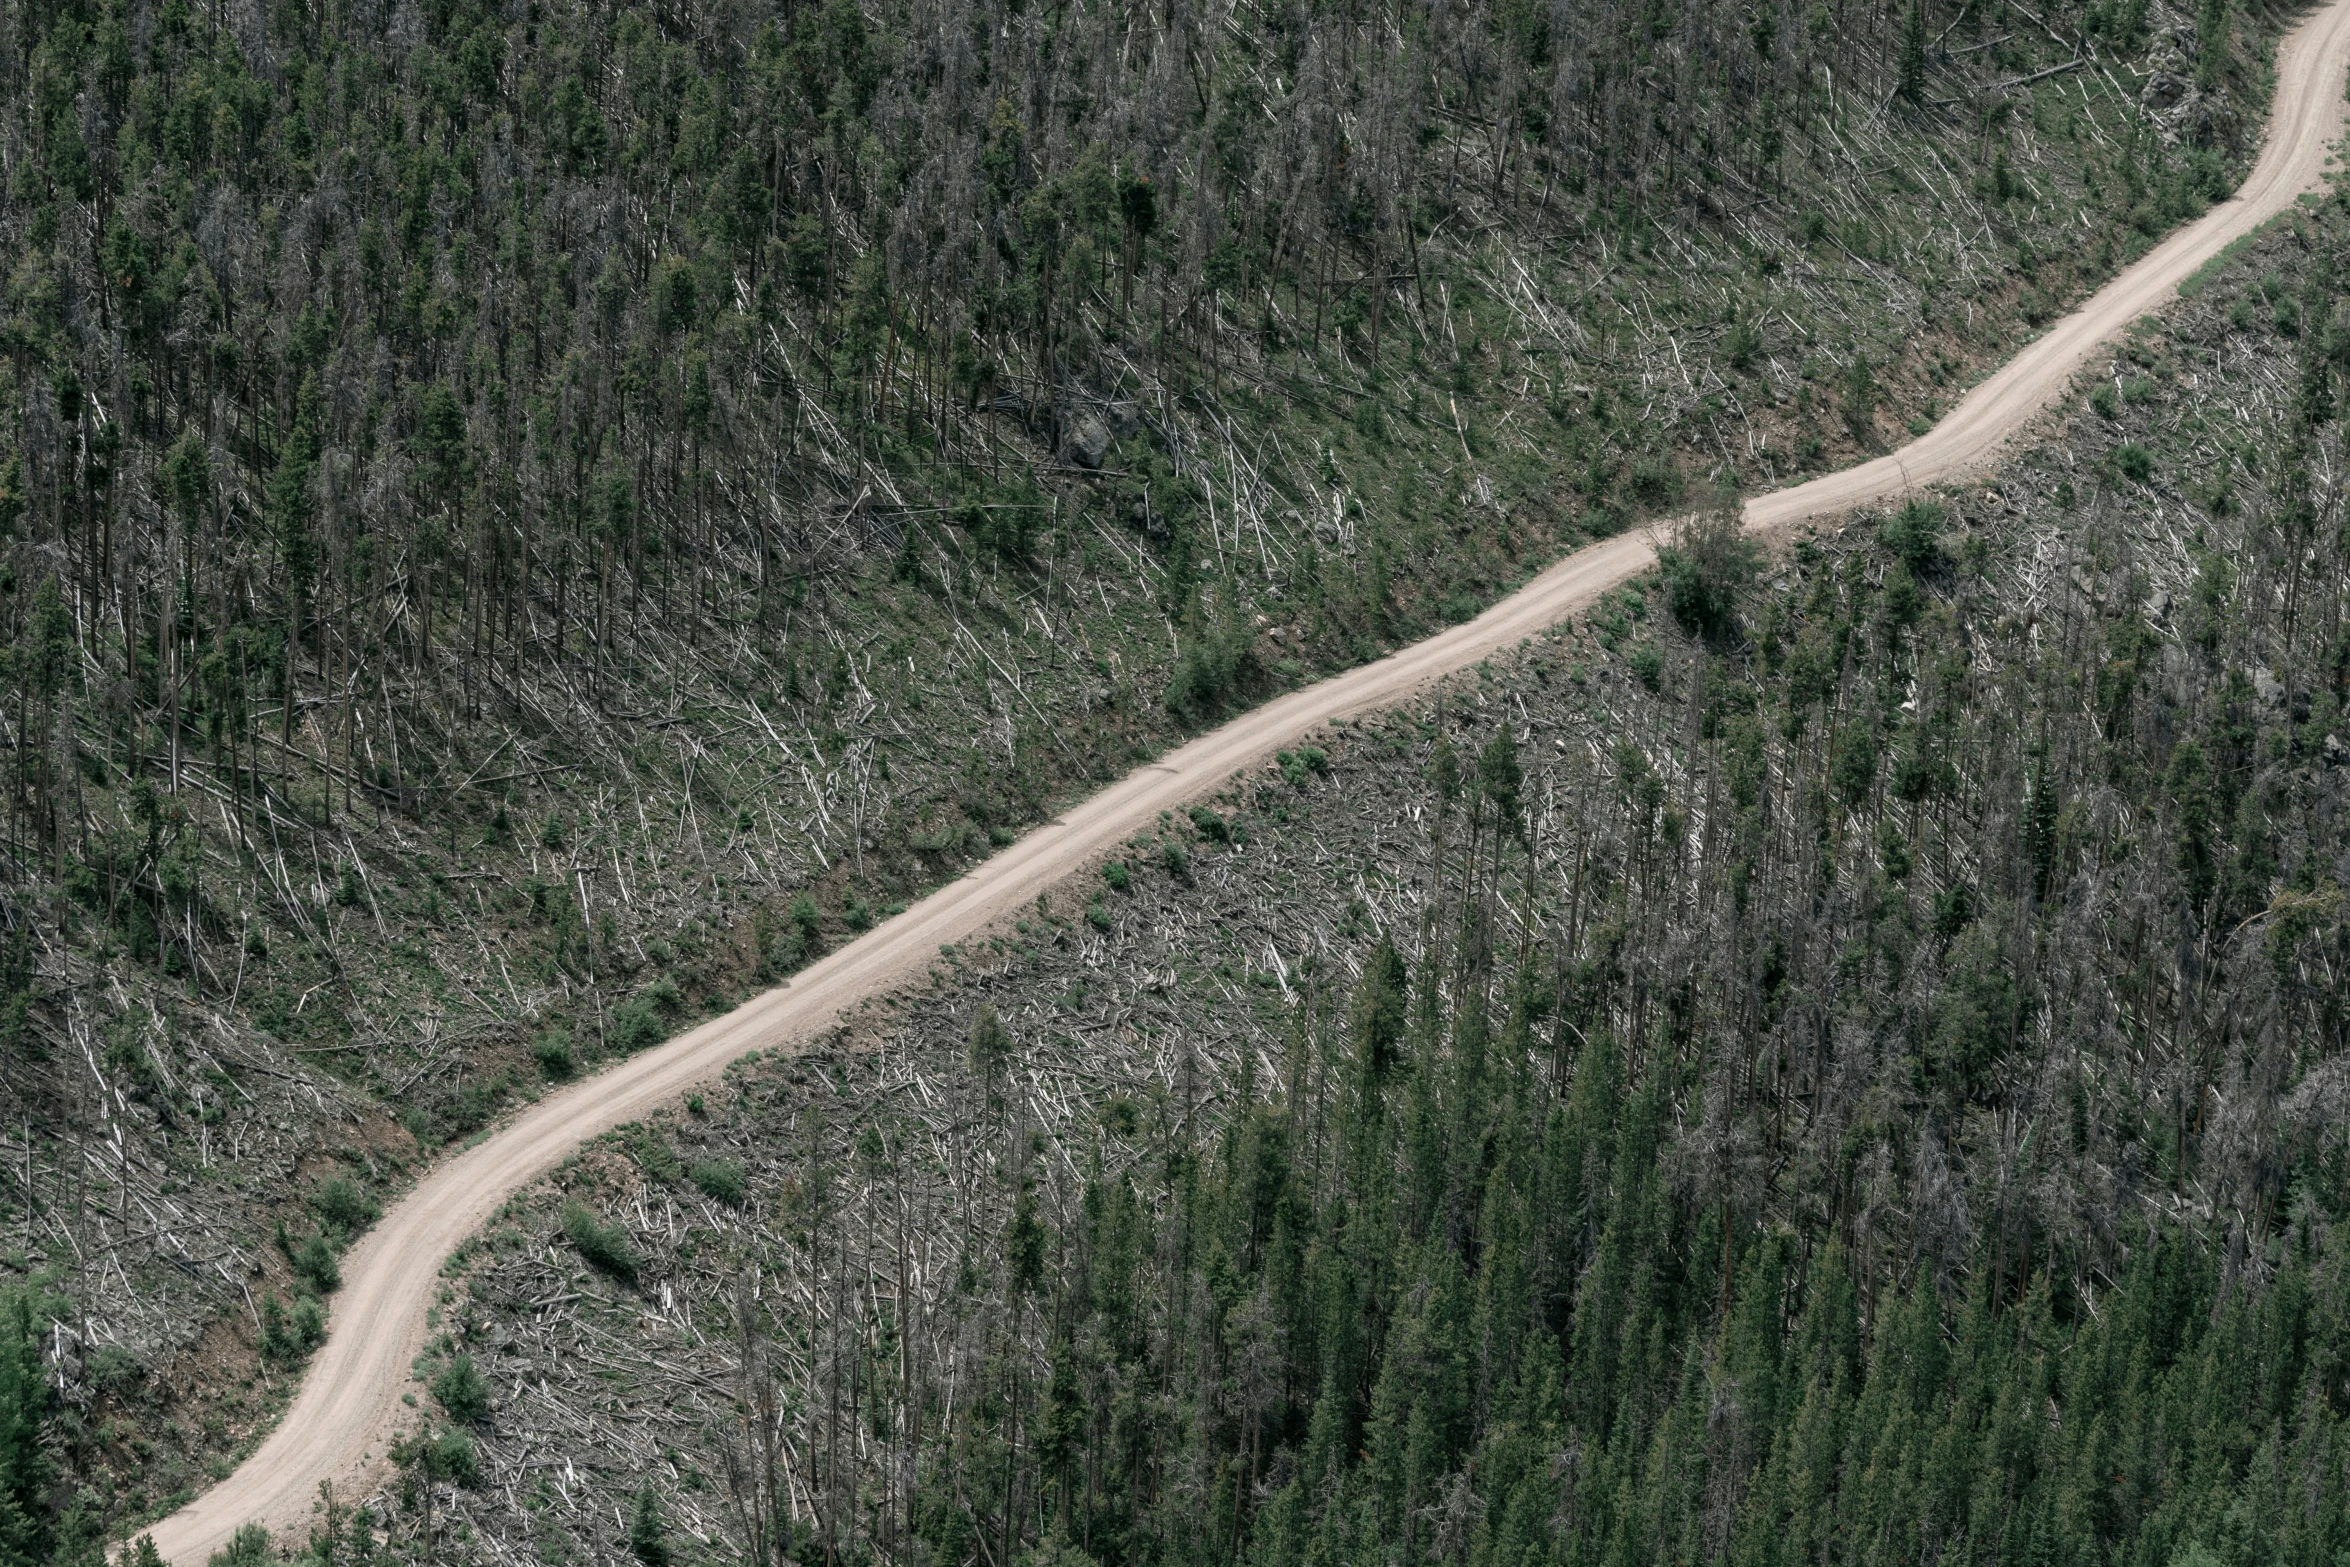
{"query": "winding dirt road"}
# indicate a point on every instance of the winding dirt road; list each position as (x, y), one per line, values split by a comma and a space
(349, 1409)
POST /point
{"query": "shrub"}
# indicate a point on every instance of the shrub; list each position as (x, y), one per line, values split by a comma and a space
(1656, 481)
(248, 1547)
(552, 1051)
(1175, 857)
(644, 1019)
(1009, 528)
(635, 1025)
(1913, 534)
(1648, 665)
(343, 1204)
(1706, 567)
(780, 946)
(1211, 826)
(604, 1246)
(1860, 398)
(1743, 343)
(315, 1265)
(1097, 916)
(288, 1337)
(463, 1391)
(654, 1154)
(2135, 462)
(449, 1455)
(110, 1368)
(1215, 664)
(809, 922)
(1116, 874)
(720, 1180)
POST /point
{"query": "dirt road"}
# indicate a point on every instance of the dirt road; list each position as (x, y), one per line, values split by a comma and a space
(349, 1408)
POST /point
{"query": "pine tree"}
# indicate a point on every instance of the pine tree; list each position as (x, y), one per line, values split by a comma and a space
(1911, 84)
(648, 1533)
(26, 1460)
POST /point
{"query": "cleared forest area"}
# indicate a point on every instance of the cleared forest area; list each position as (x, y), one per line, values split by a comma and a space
(522, 525)
(1844, 1068)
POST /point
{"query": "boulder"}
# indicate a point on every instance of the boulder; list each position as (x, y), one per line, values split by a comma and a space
(1089, 442)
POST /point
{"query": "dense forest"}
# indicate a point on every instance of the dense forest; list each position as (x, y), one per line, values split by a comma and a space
(521, 523)
(1828, 1061)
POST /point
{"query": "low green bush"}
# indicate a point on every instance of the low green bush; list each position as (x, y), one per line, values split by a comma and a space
(604, 1246)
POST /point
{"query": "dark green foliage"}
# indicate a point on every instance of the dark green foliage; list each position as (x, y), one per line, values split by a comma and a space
(341, 1204)
(1852, 767)
(390, 389)
(2211, 43)
(2316, 402)
(1806, 1142)
(463, 1391)
(1217, 664)
(248, 1547)
(1024, 1244)
(646, 1018)
(26, 1460)
(552, 1051)
(1655, 482)
(1558, 1293)
(1860, 399)
(648, 1535)
(602, 1245)
(288, 1335)
(808, 924)
(720, 1180)
(444, 1455)
(314, 1263)
(1647, 665)
(2192, 809)
(1300, 766)
(1706, 568)
(1911, 82)
(1914, 535)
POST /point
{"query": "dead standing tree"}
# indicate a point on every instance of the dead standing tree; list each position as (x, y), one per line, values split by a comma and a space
(757, 1452)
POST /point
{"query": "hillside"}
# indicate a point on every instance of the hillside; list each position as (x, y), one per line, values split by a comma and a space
(521, 526)
(1843, 1070)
